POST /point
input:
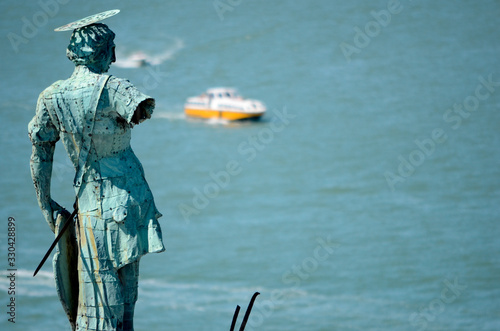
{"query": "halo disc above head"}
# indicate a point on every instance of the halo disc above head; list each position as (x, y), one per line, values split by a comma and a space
(88, 20)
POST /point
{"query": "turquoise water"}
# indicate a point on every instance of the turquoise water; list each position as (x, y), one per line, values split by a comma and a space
(366, 199)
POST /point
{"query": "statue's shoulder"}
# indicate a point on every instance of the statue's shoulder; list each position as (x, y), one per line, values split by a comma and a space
(118, 84)
(122, 89)
(52, 89)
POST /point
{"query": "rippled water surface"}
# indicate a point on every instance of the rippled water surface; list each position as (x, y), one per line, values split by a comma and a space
(367, 198)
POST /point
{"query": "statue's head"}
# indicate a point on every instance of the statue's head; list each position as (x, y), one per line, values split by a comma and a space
(92, 46)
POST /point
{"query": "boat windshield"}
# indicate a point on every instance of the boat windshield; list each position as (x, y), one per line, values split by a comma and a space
(223, 94)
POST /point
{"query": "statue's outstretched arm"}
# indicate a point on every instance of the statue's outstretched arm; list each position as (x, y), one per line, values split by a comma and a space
(41, 172)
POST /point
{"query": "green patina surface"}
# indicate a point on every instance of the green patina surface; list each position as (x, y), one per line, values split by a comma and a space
(93, 114)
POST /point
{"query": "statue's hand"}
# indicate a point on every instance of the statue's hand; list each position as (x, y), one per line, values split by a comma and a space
(143, 111)
(49, 211)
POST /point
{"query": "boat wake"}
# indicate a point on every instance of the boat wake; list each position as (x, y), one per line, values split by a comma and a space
(170, 115)
(40, 286)
(138, 58)
(217, 121)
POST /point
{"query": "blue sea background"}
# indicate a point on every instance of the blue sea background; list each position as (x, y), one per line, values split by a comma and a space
(367, 197)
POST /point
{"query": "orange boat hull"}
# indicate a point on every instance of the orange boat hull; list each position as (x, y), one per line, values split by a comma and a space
(222, 114)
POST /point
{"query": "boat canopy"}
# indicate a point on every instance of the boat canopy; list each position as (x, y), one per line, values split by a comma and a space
(222, 92)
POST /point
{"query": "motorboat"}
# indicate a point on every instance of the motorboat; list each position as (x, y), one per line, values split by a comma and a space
(223, 103)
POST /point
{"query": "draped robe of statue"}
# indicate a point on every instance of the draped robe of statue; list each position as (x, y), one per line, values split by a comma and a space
(117, 218)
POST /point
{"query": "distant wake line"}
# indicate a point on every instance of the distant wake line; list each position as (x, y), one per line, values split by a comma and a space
(138, 58)
(170, 115)
(40, 286)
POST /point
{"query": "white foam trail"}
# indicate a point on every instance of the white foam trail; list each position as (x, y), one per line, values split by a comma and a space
(138, 58)
(217, 121)
(28, 274)
(167, 54)
(170, 115)
(134, 60)
(40, 286)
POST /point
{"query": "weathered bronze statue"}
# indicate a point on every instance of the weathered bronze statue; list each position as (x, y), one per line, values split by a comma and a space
(117, 220)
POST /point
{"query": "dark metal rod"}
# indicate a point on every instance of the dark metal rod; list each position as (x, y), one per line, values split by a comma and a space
(247, 313)
(235, 317)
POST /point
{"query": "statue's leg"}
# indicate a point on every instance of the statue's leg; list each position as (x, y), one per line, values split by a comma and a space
(101, 300)
(129, 277)
(100, 304)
